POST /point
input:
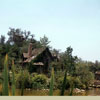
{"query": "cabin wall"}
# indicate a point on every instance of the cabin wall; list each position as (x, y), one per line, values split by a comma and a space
(97, 76)
(47, 60)
(45, 57)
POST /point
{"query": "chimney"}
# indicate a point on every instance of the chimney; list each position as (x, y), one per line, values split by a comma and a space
(30, 50)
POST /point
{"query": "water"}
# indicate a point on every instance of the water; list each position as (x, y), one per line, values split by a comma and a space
(92, 92)
(27, 92)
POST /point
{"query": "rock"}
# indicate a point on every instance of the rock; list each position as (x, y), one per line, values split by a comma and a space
(78, 90)
(82, 90)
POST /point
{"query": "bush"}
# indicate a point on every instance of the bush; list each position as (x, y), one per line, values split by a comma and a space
(26, 78)
(76, 81)
(88, 80)
(86, 77)
(39, 81)
(60, 82)
(0, 81)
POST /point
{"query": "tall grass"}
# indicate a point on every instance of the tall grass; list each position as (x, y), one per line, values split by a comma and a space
(13, 79)
(5, 77)
(63, 85)
(51, 83)
(71, 89)
(22, 83)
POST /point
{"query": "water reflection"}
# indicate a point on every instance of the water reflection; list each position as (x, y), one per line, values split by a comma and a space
(92, 92)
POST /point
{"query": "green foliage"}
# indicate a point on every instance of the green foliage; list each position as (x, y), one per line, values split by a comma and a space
(86, 77)
(23, 78)
(80, 74)
(5, 77)
(39, 81)
(71, 88)
(1, 83)
(44, 41)
(2, 40)
(76, 81)
(69, 61)
(88, 80)
(13, 79)
(18, 37)
(22, 83)
(63, 85)
(72, 83)
(56, 65)
(51, 83)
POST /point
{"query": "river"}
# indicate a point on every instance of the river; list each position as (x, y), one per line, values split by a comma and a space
(27, 92)
(92, 92)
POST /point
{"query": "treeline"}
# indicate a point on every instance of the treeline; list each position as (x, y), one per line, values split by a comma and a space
(80, 74)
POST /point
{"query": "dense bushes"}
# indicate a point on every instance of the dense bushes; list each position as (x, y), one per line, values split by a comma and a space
(26, 78)
(34, 80)
(39, 81)
(77, 81)
(87, 79)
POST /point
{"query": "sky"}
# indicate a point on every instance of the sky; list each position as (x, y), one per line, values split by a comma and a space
(74, 23)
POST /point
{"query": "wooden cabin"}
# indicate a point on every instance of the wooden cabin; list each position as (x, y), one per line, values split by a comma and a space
(97, 79)
(97, 75)
(40, 58)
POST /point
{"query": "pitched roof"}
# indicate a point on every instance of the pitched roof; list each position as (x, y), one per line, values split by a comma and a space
(35, 53)
(29, 59)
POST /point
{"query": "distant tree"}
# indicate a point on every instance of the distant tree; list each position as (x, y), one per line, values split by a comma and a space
(2, 40)
(56, 52)
(85, 75)
(97, 65)
(15, 36)
(44, 41)
(19, 37)
(69, 61)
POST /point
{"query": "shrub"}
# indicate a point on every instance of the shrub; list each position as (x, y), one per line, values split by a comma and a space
(76, 81)
(39, 81)
(51, 83)
(13, 79)
(63, 84)
(88, 80)
(5, 77)
(26, 78)
(60, 82)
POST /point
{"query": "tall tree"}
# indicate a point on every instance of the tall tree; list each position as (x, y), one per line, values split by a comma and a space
(69, 61)
(45, 41)
(2, 40)
(19, 37)
(15, 36)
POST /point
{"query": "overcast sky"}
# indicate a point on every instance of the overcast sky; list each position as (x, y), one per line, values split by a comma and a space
(74, 23)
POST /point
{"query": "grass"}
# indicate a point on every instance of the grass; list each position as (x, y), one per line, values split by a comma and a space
(13, 79)
(5, 77)
(51, 83)
(63, 85)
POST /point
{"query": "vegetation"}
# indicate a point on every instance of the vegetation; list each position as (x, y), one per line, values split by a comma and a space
(63, 85)
(70, 71)
(51, 83)
(5, 77)
(39, 82)
(22, 83)
(13, 79)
